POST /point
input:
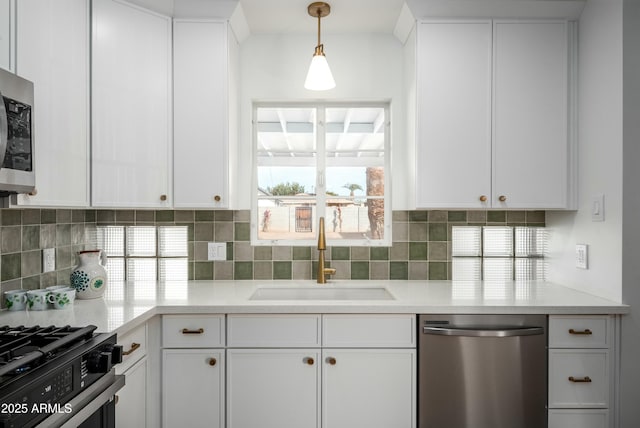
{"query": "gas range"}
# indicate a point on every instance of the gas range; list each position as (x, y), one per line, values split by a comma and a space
(49, 375)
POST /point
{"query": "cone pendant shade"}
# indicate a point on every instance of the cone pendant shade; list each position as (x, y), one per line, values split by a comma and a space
(319, 77)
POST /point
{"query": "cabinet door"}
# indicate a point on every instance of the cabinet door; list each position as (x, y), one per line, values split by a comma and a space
(7, 34)
(55, 56)
(193, 388)
(131, 409)
(273, 388)
(453, 148)
(200, 157)
(131, 106)
(373, 388)
(530, 137)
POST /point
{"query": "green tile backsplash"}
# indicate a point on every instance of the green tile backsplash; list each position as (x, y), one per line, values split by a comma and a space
(421, 247)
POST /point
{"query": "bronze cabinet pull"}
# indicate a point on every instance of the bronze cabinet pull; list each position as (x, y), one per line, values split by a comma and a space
(163, 197)
(212, 362)
(502, 198)
(586, 331)
(483, 198)
(187, 331)
(331, 361)
(585, 379)
(134, 346)
(309, 361)
(217, 198)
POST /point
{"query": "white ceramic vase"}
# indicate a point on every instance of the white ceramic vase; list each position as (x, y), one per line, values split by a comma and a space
(89, 278)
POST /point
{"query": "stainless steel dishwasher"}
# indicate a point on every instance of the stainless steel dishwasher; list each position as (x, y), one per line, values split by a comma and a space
(482, 371)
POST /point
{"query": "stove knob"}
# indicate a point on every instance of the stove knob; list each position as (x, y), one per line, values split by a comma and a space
(116, 354)
(99, 362)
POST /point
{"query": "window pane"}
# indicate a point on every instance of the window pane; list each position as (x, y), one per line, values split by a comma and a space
(360, 221)
(172, 241)
(281, 131)
(141, 241)
(287, 221)
(498, 241)
(111, 240)
(141, 269)
(281, 183)
(355, 131)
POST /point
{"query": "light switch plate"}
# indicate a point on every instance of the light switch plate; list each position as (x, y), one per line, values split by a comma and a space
(48, 260)
(597, 207)
(217, 251)
(582, 256)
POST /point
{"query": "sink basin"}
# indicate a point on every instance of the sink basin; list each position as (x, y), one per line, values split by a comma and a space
(322, 293)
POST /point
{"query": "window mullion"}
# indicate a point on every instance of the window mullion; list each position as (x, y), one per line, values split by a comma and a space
(321, 161)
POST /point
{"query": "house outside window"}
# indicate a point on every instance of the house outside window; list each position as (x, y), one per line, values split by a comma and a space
(315, 160)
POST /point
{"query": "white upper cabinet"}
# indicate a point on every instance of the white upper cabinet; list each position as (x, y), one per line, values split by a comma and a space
(7, 34)
(493, 106)
(203, 52)
(131, 106)
(454, 114)
(55, 56)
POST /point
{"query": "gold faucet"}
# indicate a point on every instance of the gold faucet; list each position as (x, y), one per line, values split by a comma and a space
(322, 247)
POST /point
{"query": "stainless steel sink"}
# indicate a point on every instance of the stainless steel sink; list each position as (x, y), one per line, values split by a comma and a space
(322, 293)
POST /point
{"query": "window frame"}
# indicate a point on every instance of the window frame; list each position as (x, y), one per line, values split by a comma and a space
(320, 107)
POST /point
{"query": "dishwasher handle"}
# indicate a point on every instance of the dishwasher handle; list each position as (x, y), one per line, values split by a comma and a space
(480, 332)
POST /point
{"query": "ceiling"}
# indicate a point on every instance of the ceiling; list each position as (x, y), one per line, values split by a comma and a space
(347, 16)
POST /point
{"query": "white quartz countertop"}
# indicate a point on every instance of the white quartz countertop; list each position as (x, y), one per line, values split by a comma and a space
(126, 305)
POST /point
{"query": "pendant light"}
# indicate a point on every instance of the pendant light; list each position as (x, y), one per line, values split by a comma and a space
(319, 77)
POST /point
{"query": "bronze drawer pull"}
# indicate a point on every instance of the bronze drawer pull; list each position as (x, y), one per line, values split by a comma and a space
(134, 346)
(331, 361)
(586, 331)
(585, 379)
(212, 362)
(309, 361)
(187, 331)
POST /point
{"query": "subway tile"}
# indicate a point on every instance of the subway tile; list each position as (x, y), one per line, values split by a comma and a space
(282, 270)
(78, 231)
(281, 253)
(242, 215)
(31, 263)
(263, 270)
(223, 270)
(242, 251)
(437, 270)
(242, 270)
(223, 232)
(184, 216)
(31, 216)
(127, 216)
(437, 216)
(400, 231)
(535, 217)
(457, 216)
(479, 216)
(30, 238)
(90, 216)
(400, 215)
(203, 232)
(48, 216)
(379, 253)
(359, 253)
(47, 235)
(241, 231)
(11, 217)
(340, 253)
(496, 216)
(418, 215)
(10, 266)
(65, 257)
(63, 216)
(200, 251)
(262, 253)
(142, 216)
(11, 239)
(418, 270)
(48, 279)
(77, 216)
(399, 251)
(107, 217)
(417, 251)
(203, 270)
(379, 270)
(437, 232)
(301, 269)
(417, 232)
(342, 267)
(301, 253)
(516, 217)
(204, 215)
(63, 234)
(359, 270)
(224, 215)
(437, 251)
(399, 270)
(31, 282)
(164, 216)
(230, 251)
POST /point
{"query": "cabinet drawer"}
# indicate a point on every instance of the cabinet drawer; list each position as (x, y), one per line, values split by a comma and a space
(134, 347)
(578, 378)
(271, 331)
(579, 332)
(578, 418)
(193, 331)
(369, 331)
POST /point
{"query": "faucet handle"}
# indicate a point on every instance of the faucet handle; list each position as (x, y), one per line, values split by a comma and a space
(330, 271)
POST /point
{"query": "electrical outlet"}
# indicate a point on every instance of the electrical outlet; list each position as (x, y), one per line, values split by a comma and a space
(582, 256)
(48, 260)
(217, 251)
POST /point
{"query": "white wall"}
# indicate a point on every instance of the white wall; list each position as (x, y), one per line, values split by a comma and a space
(630, 377)
(365, 67)
(599, 159)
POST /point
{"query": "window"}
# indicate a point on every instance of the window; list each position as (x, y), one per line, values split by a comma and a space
(321, 160)
(145, 252)
(498, 253)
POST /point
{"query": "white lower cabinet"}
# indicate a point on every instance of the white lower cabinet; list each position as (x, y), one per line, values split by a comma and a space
(581, 363)
(193, 388)
(273, 388)
(275, 384)
(130, 404)
(368, 388)
(193, 371)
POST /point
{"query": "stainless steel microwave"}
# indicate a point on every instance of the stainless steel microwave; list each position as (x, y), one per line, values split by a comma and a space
(17, 169)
